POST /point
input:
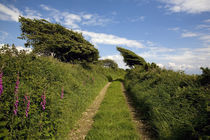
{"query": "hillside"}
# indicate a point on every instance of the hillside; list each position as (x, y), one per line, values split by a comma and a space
(53, 93)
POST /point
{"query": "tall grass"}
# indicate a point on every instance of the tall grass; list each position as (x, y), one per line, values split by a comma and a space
(45, 76)
(174, 104)
(113, 120)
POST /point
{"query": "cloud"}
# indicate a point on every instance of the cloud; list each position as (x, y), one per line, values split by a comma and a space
(9, 13)
(19, 48)
(189, 34)
(207, 20)
(203, 26)
(205, 38)
(176, 67)
(174, 29)
(3, 35)
(32, 14)
(74, 20)
(140, 18)
(188, 6)
(118, 59)
(101, 38)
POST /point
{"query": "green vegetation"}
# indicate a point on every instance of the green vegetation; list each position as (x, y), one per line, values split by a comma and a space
(113, 120)
(42, 80)
(53, 39)
(175, 104)
(130, 58)
(109, 63)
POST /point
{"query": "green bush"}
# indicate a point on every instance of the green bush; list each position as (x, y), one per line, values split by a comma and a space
(45, 75)
(174, 104)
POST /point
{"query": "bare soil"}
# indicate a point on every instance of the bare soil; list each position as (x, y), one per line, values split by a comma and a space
(85, 123)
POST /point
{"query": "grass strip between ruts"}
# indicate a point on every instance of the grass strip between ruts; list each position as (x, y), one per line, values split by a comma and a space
(113, 120)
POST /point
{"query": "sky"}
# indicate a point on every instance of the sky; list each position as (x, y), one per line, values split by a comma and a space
(175, 34)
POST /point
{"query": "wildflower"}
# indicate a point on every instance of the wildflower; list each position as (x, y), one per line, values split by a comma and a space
(43, 103)
(28, 105)
(16, 106)
(62, 92)
(1, 85)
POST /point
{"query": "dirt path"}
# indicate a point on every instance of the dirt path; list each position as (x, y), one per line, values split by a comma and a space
(141, 127)
(86, 121)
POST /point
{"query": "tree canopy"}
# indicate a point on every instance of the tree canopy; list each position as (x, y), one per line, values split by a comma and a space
(130, 58)
(47, 38)
(109, 63)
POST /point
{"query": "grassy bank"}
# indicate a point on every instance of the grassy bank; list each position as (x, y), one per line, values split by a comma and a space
(174, 104)
(34, 85)
(113, 120)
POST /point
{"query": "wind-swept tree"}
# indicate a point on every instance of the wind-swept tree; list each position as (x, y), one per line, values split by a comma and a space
(47, 38)
(130, 58)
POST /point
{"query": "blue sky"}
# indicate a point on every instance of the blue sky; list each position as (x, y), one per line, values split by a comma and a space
(174, 34)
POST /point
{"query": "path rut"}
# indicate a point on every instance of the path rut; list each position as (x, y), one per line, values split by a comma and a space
(141, 127)
(86, 121)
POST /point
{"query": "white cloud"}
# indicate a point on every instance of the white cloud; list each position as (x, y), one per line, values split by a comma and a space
(205, 38)
(118, 59)
(87, 16)
(183, 67)
(174, 29)
(188, 6)
(140, 18)
(32, 14)
(19, 48)
(3, 35)
(189, 34)
(160, 65)
(203, 26)
(207, 20)
(101, 38)
(9, 13)
(73, 20)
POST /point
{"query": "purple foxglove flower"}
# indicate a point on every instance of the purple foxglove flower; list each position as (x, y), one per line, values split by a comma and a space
(28, 105)
(16, 107)
(43, 103)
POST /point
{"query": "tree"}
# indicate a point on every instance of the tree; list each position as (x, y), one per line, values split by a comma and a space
(53, 39)
(130, 58)
(205, 76)
(109, 63)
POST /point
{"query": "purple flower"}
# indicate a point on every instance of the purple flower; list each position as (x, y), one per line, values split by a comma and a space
(43, 103)
(1, 84)
(62, 92)
(28, 105)
(16, 106)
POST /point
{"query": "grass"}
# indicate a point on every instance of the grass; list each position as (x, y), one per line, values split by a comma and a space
(173, 103)
(113, 120)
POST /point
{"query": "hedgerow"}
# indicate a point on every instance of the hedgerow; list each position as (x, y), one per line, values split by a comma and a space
(175, 104)
(41, 97)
